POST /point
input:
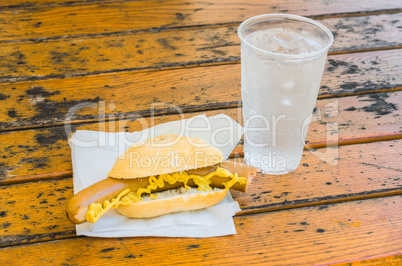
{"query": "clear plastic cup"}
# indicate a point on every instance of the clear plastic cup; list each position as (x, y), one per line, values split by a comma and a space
(282, 62)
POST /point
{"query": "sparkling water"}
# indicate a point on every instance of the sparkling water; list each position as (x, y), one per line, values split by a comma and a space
(279, 93)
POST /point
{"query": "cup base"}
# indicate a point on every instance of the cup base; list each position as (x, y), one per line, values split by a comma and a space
(270, 172)
(264, 163)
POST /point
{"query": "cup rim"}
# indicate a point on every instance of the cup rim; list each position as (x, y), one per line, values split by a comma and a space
(292, 17)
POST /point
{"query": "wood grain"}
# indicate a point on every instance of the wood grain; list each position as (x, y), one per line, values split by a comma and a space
(340, 207)
(44, 19)
(325, 176)
(44, 153)
(306, 236)
(171, 49)
(38, 103)
(38, 4)
(389, 260)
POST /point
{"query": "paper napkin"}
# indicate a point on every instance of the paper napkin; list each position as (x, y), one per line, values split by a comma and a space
(94, 154)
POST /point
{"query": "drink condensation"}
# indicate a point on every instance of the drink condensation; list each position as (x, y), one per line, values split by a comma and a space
(281, 73)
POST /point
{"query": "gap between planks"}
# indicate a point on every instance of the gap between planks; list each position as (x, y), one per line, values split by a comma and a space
(321, 201)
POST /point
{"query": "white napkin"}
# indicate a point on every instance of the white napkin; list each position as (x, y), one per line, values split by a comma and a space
(94, 153)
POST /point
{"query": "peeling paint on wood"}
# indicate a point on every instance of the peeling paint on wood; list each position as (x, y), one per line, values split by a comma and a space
(364, 171)
(40, 153)
(309, 235)
(42, 19)
(48, 102)
(103, 57)
(63, 58)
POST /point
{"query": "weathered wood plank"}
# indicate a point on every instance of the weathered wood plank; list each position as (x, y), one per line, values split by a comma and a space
(306, 236)
(349, 173)
(44, 153)
(171, 49)
(389, 260)
(50, 19)
(38, 4)
(35, 103)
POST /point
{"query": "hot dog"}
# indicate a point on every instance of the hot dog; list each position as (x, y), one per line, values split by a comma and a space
(110, 189)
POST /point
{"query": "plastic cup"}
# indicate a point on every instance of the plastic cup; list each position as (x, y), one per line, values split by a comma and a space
(282, 62)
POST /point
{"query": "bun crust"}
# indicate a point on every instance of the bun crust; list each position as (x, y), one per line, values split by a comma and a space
(173, 201)
(163, 155)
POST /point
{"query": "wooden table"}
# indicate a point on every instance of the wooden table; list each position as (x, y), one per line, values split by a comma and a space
(112, 60)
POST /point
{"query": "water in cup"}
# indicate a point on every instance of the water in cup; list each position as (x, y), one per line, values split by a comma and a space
(281, 68)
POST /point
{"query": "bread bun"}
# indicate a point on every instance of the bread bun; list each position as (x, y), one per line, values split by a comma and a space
(171, 201)
(164, 154)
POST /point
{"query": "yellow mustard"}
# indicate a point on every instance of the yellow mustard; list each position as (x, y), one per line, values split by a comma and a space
(96, 210)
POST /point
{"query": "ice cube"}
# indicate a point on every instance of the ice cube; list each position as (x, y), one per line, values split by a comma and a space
(286, 102)
(288, 85)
